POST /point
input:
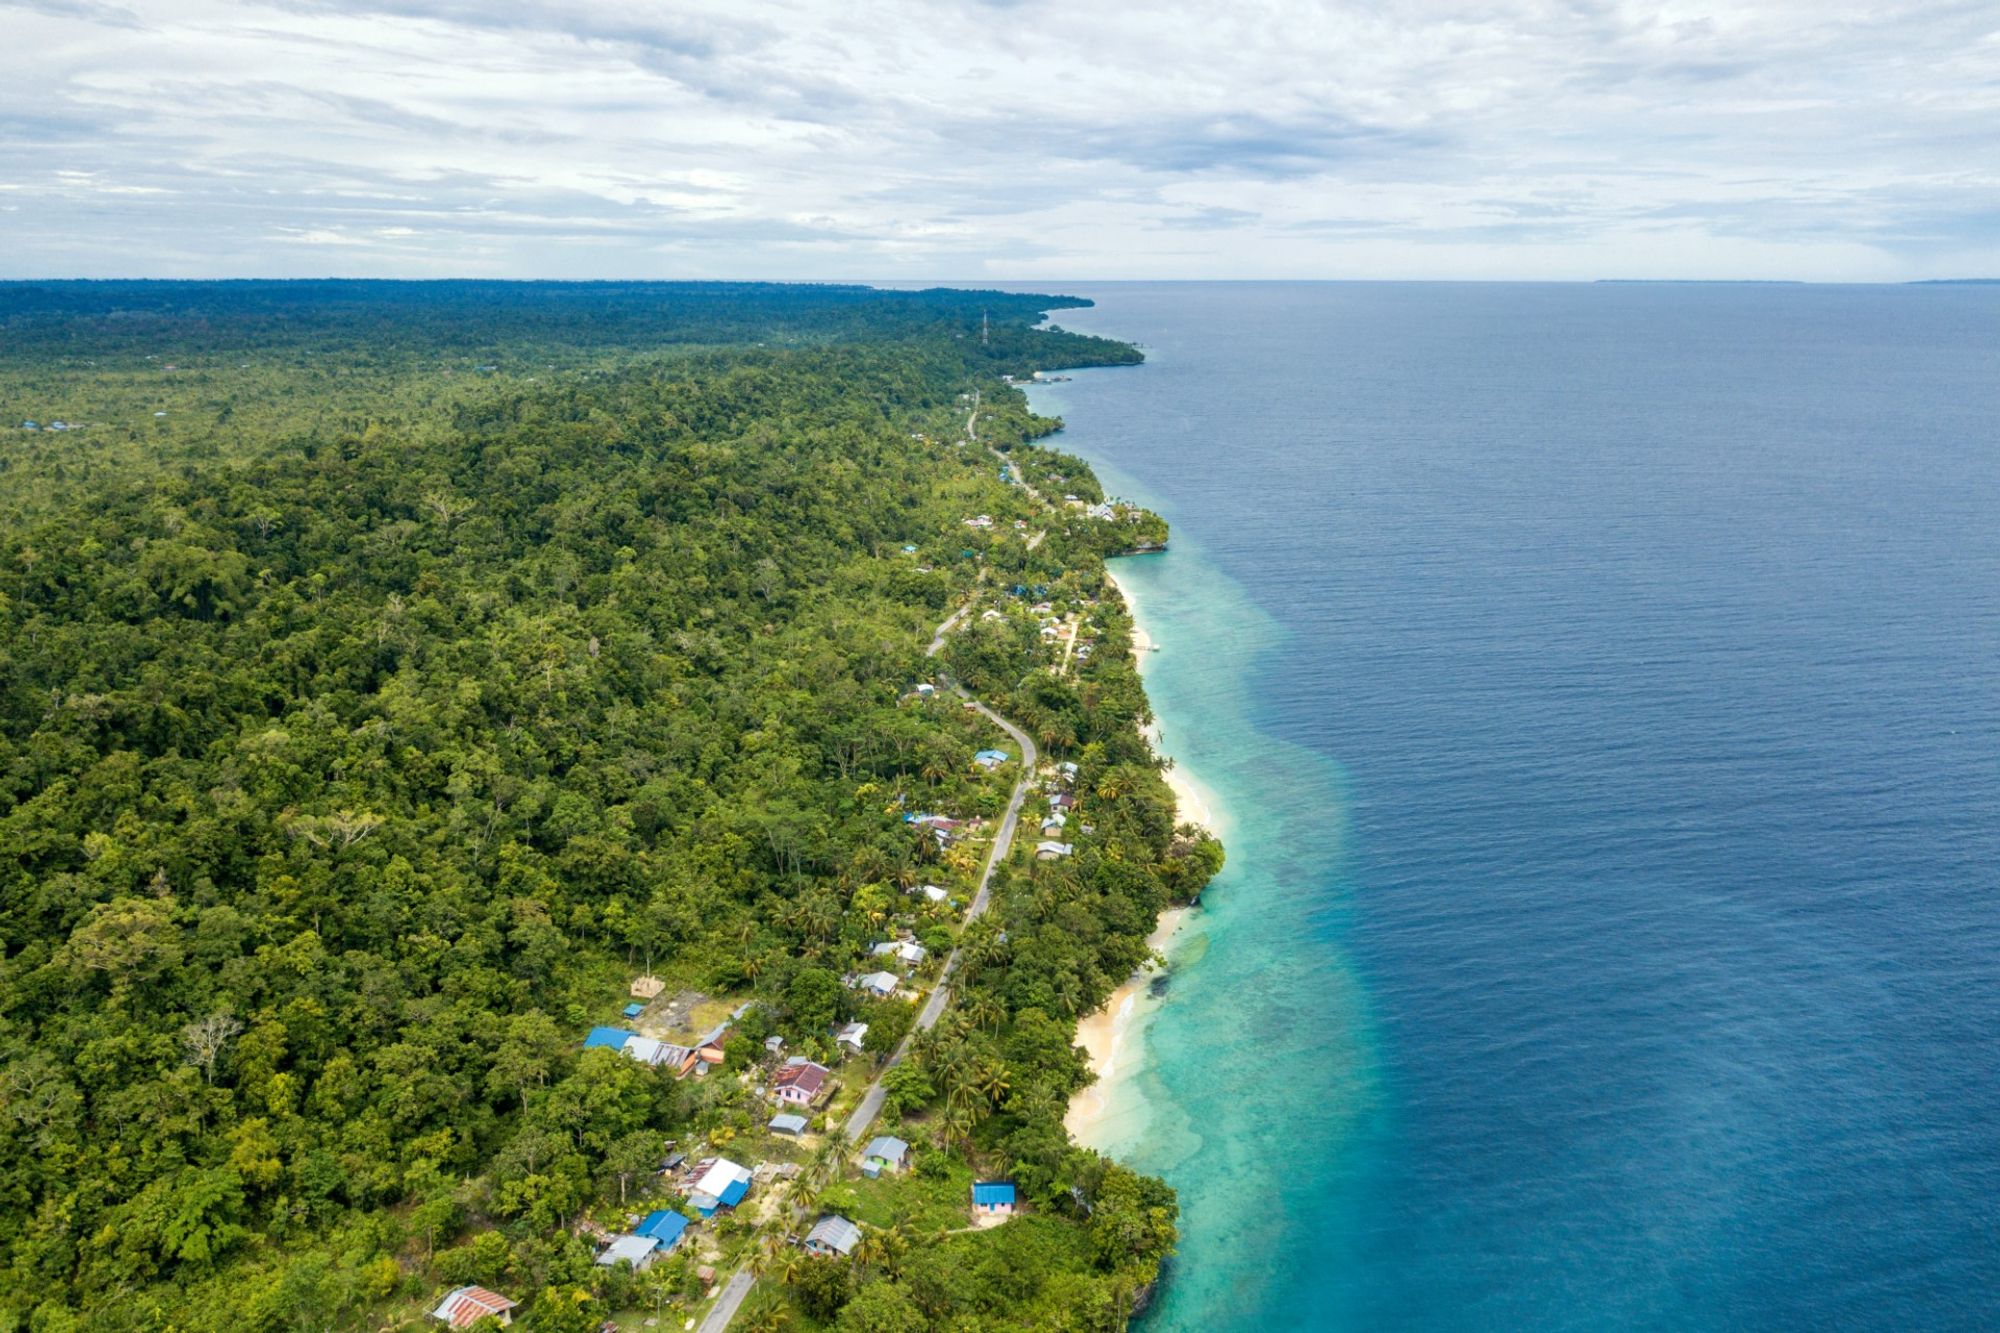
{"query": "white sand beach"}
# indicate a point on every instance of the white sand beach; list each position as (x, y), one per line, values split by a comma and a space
(1113, 1037)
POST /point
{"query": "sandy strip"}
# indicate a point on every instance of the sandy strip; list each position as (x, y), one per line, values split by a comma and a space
(1111, 1036)
(1108, 1037)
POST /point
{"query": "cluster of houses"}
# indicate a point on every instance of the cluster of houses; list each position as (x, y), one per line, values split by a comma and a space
(1052, 847)
(682, 1060)
(656, 1235)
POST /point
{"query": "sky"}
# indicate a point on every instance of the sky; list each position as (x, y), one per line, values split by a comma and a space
(1827, 140)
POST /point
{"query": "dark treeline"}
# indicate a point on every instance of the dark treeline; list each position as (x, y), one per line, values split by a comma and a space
(353, 752)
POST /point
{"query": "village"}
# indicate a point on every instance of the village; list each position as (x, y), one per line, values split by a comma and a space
(804, 1174)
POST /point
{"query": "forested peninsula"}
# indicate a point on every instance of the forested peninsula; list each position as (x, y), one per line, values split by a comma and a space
(492, 801)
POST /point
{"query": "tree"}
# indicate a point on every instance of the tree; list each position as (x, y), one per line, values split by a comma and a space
(814, 997)
(881, 1307)
(204, 1039)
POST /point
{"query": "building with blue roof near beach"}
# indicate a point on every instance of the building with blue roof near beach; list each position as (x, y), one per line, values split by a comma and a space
(993, 1198)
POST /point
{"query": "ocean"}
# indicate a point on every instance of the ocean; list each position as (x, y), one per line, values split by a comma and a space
(1601, 688)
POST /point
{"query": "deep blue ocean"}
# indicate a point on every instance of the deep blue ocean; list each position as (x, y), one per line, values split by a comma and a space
(1602, 688)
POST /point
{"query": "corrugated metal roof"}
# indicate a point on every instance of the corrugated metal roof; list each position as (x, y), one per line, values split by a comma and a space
(888, 1147)
(626, 1249)
(835, 1233)
(788, 1123)
(664, 1226)
(609, 1039)
(993, 1191)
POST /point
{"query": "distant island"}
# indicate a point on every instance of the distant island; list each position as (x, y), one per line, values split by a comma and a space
(562, 802)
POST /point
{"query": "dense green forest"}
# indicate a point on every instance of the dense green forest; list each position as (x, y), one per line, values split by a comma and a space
(390, 673)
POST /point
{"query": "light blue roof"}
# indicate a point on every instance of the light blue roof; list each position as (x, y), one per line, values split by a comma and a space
(663, 1226)
(611, 1039)
(634, 1009)
(993, 1191)
(998, 756)
(788, 1123)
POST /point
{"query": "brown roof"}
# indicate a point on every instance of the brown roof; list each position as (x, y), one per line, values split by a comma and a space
(467, 1305)
(806, 1076)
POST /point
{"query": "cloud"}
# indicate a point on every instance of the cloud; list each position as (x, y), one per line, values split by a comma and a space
(889, 138)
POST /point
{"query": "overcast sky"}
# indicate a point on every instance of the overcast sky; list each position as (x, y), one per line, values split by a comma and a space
(1822, 139)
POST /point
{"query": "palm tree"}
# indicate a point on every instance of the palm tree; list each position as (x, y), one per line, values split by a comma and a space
(992, 1079)
(772, 1320)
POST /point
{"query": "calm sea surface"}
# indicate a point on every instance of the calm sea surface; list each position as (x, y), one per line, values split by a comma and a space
(1603, 687)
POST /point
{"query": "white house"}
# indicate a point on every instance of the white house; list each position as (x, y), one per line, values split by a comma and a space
(909, 951)
(638, 1251)
(881, 985)
(1050, 850)
(851, 1036)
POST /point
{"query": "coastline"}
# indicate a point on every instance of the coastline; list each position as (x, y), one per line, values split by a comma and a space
(1113, 1036)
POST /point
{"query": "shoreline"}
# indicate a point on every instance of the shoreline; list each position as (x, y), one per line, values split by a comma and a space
(1112, 1035)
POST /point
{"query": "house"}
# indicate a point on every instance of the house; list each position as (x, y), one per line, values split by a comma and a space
(638, 1251)
(851, 1036)
(833, 1235)
(990, 759)
(634, 1009)
(882, 985)
(711, 1053)
(1053, 824)
(723, 1185)
(1048, 850)
(466, 1306)
(909, 951)
(1067, 770)
(664, 1227)
(648, 1051)
(886, 1153)
(786, 1123)
(993, 1198)
(799, 1081)
(607, 1039)
(932, 892)
(1062, 800)
(925, 689)
(774, 1044)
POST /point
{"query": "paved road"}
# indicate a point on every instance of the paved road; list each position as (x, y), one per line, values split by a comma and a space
(740, 1282)
(727, 1301)
(1003, 839)
(950, 624)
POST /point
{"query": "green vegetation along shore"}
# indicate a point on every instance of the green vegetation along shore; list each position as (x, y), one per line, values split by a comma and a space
(469, 755)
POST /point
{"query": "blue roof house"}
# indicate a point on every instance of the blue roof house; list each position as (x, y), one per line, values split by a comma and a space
(610, 1039)
(992, 1198)
(634, 1009)
(664, 1227)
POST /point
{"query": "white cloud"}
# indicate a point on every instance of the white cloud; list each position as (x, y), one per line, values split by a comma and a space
(640, 138)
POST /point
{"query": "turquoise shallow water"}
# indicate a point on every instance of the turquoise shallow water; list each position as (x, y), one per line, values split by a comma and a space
(1603, 685)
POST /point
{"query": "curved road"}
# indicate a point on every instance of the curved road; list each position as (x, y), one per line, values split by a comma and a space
(730, 1298)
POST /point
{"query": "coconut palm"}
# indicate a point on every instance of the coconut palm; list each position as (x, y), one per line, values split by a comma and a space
(992, 1079)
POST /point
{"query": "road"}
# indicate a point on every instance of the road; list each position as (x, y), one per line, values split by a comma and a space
(730, 1298)
(1003, 839)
